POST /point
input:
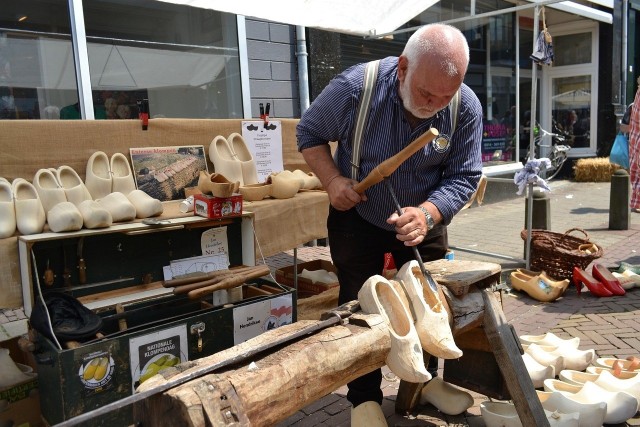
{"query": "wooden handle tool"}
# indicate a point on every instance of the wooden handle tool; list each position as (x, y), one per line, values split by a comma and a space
(388, 166)
(229, 282)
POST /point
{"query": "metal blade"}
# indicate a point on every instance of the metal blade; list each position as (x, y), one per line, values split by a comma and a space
(416, 254)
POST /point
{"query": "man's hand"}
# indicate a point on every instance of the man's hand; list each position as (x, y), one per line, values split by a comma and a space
(411, 226)
(341, 193)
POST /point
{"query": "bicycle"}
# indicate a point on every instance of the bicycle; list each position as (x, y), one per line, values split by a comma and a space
(558, 154)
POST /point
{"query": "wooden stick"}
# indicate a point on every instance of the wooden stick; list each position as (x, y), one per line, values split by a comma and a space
(389, 166)
(203, 276)
(203, 283)
(229, 282)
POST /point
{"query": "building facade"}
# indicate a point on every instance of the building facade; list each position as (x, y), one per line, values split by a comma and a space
(63, 59)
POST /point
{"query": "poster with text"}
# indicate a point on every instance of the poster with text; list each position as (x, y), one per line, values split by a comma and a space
(251, 320)
(151, 353)
(265, 144)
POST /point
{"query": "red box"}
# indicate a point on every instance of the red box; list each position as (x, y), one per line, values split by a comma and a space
(217, 207)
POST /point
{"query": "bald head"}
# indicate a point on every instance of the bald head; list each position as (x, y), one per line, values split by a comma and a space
(439, 45)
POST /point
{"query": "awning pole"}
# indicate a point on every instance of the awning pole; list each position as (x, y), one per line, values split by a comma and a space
(532, 126)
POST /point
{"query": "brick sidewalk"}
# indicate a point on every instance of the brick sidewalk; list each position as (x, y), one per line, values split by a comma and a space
(611, 326)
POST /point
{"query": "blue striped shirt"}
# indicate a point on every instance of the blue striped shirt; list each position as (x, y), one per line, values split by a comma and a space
(447, 179)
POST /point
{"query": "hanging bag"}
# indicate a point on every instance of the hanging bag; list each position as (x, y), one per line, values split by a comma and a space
(620, 151)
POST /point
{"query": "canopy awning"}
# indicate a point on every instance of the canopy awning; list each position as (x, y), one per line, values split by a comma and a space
(357, 17)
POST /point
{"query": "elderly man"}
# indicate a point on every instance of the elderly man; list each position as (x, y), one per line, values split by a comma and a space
(412, 94)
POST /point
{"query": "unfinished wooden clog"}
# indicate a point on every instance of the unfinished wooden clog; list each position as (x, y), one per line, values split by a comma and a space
(7, 210)
(146, 206)
(590, 414)
(377, 296)
(242, 154)
(572, 358)
(224, 161)
(94, 215)
(550, 338)
(98, 175)
(121, 176)
(284, 185)
(309, 180)
(368, 414)
(119, 207)
(604, 379)
(449, 399)
(30, 215)
(64, 216)
(216, 185)
(620, 405)
(537, 372)
(49, 190)
(431, 317)
(255, 192)
(75, 190)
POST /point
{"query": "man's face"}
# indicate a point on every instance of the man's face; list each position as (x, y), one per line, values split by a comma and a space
(423, 90)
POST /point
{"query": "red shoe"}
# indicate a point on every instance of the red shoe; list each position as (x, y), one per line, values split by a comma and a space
(602, 274)
(581, 277)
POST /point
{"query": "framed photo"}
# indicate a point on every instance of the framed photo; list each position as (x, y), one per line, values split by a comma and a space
(164, 172)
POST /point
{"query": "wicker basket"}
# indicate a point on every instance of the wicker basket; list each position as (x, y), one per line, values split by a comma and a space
(558, 253)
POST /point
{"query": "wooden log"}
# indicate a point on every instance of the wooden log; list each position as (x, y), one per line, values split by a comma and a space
(281, 382)
(200, 289)
(503, 340)
(200, 277)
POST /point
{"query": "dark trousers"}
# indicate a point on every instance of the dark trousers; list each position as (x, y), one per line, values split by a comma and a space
(357, 250)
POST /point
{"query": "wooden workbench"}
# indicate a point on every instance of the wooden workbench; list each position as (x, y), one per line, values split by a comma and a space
(290, 377)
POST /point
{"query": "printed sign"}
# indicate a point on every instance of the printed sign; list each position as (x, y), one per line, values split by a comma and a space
(265, 144)
(96, 372)
(251, 320)
(154, 352)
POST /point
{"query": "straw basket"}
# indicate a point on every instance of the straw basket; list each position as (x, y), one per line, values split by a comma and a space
(558, 253)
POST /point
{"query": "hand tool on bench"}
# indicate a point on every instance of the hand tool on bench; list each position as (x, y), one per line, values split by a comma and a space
(384, 170)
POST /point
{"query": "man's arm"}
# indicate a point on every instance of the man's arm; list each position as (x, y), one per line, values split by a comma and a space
(340, 189)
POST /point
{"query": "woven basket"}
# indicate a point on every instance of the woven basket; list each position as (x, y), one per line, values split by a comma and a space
(558, 253)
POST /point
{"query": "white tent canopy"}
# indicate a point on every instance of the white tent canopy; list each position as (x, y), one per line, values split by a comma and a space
(358, 17)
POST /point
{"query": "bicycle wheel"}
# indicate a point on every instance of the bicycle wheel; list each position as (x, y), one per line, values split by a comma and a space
(556, 164)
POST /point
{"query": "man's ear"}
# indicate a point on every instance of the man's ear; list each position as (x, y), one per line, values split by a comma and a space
(403, 64)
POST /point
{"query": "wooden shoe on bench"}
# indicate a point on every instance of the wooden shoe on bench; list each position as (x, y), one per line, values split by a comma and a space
(30, 215)
(7, 210)
(224, 162)
(431, 317)
(64, 216)
(242, 154)
(121, 176)
(49, 190)
(98, 176)
(377, 296)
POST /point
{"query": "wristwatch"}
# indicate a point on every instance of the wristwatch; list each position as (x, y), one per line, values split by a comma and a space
(430, 222)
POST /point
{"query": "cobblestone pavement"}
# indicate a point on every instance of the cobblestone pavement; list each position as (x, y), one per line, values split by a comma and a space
(491, 233)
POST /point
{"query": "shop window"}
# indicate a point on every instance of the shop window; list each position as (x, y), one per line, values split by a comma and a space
(572, 49)
(183, 59)
(37, 74)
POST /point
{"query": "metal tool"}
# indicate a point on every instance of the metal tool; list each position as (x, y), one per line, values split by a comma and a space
(432, 283)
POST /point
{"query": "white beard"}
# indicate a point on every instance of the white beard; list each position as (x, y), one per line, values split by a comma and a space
(409, 104)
